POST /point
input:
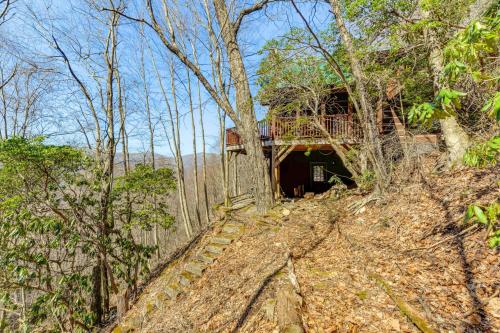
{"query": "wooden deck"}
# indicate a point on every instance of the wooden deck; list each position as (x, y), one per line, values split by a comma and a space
(292, 129)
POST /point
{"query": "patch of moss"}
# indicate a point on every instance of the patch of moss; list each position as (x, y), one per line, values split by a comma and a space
(362, 295)
(320, 286)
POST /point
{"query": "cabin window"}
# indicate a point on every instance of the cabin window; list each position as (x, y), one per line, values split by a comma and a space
(318, 171)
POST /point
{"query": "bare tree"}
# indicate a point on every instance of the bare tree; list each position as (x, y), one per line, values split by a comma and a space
(175, 130)
(151, 130)
(104, 151)
(203, 144)
(244, 114)
(195, 153)
(365, 110)
(247, 122)
(173, 138)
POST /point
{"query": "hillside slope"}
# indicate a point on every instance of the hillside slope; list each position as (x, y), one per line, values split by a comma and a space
(411, 239)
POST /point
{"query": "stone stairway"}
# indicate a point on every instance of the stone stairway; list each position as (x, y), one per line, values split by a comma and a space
(191, 269)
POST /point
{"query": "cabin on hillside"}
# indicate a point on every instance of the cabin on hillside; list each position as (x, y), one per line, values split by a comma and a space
(301, 158)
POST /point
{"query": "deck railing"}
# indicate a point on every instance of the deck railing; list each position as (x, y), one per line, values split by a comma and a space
(339, 126)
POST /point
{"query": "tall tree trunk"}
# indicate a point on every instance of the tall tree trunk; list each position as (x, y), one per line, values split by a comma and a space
(178, 156)
(106, 219)
(248, 128)
(195, 153)
(174, 144)
(203, 145)
(151, 144)
(4, 107)
(222, 155)
(454, 135)
(456, 139)
(367, 116)
(204, 159)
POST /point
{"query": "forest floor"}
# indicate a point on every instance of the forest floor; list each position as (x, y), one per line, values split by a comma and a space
(413, 239)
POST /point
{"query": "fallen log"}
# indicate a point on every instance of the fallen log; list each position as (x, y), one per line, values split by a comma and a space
(403, 307)
(289, 304)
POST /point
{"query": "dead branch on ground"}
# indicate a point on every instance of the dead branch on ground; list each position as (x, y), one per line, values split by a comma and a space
(404, 307)
(466, 230)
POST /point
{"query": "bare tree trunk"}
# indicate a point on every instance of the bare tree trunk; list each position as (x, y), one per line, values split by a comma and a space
(244, 118)
(178, 157)
(105, 155)
(151, 129)
(4, 107)
(372, 140)
(24, 306)
(203, 145)
(2, 317)
(123, 129)
(195, 153)
(204, 159)
(106, 215)
(222, 156)
(174, 143)
(247, 128)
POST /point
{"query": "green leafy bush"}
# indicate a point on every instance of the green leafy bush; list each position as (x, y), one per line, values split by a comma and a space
(51, 231)
(366, 181)
(484, 154)
(489, 216)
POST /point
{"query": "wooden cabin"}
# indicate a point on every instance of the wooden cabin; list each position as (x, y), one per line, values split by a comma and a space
(301, 158)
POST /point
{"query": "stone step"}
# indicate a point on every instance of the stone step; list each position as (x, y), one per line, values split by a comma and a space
(185, 278)
(173, 290)
(215, 248)
(232, 228)
(195, 267)
(222, 239)
(207, 257)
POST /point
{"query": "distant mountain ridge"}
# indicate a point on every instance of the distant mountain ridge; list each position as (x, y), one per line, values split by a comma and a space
(163, 160)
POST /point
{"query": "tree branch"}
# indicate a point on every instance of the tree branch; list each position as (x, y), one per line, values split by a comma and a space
(247, 11)
(174, 49)
(3, 84)
(3, 13)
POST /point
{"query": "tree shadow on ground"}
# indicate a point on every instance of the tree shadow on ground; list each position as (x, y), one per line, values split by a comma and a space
(452, 229)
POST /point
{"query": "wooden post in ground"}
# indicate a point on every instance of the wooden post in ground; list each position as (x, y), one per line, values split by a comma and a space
(273, 165)
(236, 184)
(275, 170)
(278, 181)
(349, 120)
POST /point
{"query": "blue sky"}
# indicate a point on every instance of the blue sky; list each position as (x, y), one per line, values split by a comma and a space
(73, 32)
